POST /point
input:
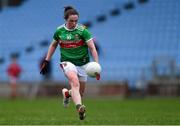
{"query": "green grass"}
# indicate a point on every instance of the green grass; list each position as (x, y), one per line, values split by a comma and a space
(104, 111)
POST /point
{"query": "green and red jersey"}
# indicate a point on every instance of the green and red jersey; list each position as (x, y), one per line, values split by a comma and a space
(73, 44)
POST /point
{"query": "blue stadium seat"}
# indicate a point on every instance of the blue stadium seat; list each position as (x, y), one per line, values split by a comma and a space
(129, 42)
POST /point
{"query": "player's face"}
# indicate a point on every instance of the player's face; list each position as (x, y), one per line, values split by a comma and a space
(71, 22)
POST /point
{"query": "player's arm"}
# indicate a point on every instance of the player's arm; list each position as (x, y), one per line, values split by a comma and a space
(94, 53)
(89, 41)
(45, 63)
(93, 50)
(51, 50)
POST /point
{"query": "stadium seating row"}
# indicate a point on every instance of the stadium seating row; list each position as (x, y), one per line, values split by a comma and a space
(129, 42)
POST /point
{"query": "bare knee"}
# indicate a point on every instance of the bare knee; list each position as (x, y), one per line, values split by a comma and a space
(74, 83)
(73, 79)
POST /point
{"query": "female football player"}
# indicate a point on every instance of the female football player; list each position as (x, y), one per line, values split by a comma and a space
(74, 40)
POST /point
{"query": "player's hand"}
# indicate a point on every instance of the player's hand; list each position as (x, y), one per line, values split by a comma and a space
(44, 68)
(98, 76)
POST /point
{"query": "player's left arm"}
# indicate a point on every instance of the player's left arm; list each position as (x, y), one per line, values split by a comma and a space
(94, 53)
(90, 43)
(93, 50)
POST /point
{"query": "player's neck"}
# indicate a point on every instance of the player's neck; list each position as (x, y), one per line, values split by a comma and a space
(68, 28)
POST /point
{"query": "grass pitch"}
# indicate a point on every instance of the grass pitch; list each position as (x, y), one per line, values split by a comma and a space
(100, 111)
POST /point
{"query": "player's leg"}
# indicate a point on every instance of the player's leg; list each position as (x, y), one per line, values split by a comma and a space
(65, 92)
(14, 90)
(70, 71)
(76, 91)
(75, 86)
(13, 84)
(82, 80)
(82, 87)
(82, 109)
(66, 97)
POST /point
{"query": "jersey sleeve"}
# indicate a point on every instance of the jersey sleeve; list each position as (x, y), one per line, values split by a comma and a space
(55, 36)
(87, 35)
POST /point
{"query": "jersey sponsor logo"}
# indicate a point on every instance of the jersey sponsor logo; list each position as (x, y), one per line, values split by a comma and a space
(69, 41)
(71, 44)
(69, 37)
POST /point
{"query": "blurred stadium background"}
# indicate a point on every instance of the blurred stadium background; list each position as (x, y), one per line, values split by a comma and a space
(138, 42)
